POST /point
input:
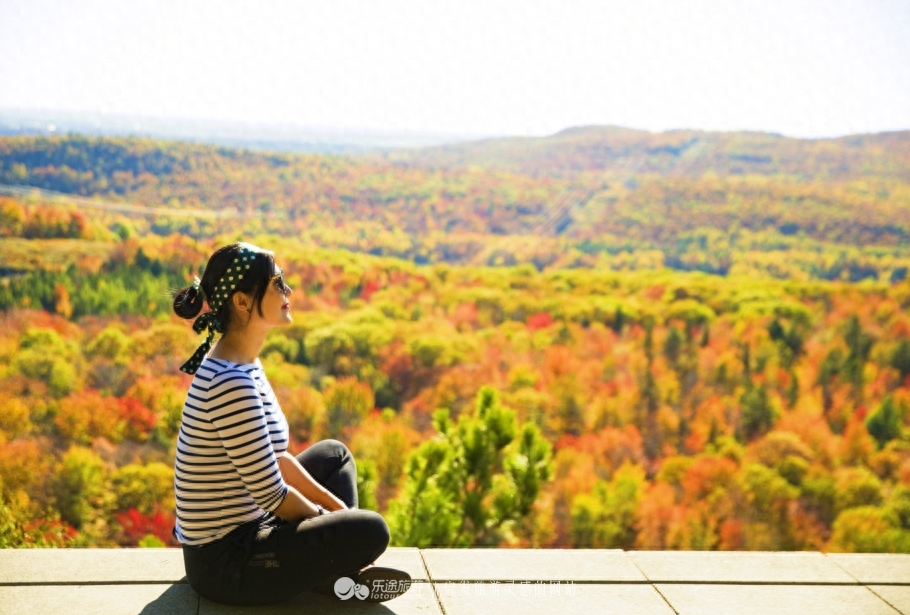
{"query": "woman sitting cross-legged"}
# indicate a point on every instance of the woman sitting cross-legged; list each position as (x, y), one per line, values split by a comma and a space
(257, 524)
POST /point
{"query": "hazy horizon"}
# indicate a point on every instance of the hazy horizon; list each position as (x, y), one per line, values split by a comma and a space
(226, 132)
(803, 69)
(39, 121)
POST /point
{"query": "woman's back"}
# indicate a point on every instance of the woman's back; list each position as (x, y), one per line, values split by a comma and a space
(226, 470)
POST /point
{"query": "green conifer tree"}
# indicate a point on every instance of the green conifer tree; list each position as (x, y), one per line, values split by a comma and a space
(474, 483)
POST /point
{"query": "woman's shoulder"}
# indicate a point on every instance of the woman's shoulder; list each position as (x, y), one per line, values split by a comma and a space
(217, 371)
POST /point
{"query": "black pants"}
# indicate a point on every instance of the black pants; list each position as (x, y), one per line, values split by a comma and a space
(270, 560)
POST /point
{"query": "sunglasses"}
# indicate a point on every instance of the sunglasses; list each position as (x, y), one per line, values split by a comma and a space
(280, 284)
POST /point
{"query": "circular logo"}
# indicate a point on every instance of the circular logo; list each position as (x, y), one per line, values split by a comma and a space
(346, 588)
(362, 591)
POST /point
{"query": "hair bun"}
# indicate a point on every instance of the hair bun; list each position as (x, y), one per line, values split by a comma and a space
(188, 302)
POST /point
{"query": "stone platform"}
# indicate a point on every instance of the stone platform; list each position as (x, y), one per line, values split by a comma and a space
(486, 581)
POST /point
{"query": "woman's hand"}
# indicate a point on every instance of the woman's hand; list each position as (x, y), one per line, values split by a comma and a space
(295, 507)
(296, 476)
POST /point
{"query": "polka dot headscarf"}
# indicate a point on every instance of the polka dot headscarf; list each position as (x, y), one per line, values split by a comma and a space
(223, 290)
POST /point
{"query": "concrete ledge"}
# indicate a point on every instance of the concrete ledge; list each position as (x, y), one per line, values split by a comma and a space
(419, 600)
(407, 559)
(90, 566)
(484, 581)
(543, 598)
(878, 568)
(690, 599)
(99, 600)
(133, 566)
(898, 596)
(749, 567)
(578, 565)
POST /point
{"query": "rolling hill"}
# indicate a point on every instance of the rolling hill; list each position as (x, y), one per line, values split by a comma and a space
(591, 196)
(691, 153)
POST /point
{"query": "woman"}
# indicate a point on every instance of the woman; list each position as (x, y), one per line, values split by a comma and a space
(257, 524)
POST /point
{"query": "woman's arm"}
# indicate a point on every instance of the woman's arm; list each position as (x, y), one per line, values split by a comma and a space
(296, 476)
(295, 507)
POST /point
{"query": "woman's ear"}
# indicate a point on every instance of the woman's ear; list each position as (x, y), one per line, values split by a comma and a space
(242, 302)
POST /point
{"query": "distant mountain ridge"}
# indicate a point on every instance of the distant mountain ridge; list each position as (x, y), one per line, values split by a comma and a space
(615, 149)
(598, 149)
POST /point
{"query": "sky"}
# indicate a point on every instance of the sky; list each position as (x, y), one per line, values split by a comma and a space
(469, 67)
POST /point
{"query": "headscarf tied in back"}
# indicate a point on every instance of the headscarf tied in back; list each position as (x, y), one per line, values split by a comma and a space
(223, 290)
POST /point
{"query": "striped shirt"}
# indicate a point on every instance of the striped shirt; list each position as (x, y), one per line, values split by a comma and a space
(226, 472)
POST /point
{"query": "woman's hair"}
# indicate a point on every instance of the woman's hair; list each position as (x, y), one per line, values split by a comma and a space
(188, 301)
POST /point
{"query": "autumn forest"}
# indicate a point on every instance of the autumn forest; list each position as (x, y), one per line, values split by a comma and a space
(602, 338)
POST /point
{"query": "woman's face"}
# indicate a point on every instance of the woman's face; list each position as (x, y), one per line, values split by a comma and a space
(276, 304)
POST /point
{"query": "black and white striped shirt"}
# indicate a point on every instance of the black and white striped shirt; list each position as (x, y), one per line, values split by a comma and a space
(226, 472)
